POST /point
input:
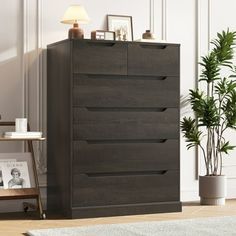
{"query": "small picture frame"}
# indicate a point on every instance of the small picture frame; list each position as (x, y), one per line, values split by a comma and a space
(102, 35)
(16, 171)
(122, 26)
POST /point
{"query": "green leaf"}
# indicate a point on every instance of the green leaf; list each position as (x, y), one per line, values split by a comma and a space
(225, 147)
(191, 132)
(224, 47)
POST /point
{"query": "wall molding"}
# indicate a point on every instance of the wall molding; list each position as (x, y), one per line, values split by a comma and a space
(151, 15)
(197, 69)
(209, 24)
(32, 73)
(164, 20)
(25, 59)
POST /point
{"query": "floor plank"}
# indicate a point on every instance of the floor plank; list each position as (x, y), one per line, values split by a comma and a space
(15, 224)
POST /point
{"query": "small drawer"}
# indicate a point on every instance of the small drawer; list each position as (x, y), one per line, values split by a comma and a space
(125, 91)
(125, 124)
(98, 157)
(99, 57)
(153, 59)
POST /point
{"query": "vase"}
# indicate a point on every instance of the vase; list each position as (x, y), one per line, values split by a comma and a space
(212, 190)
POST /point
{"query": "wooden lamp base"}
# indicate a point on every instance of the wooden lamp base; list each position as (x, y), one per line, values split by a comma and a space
(76, 32)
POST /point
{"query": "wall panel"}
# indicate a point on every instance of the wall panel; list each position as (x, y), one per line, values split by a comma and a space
(222, 17)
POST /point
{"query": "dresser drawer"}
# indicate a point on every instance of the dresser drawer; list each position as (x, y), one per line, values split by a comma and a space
(153, 59)
(125, 124)
(125, 91)
(125, 188)
(98, 157)
(99, 57)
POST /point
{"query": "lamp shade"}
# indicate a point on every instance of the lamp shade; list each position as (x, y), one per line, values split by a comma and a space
(75, 14)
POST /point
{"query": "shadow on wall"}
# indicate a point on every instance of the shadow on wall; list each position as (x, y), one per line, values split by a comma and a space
(184, 105)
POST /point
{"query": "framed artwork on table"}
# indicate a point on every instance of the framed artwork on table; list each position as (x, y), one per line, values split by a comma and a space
(122, 26)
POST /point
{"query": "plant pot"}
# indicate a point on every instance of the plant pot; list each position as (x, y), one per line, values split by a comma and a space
(212, 190)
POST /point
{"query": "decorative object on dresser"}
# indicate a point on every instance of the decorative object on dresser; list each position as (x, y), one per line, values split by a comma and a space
(75, 15)
(215, 111)
(113, 128)
(122, 26)
(148, 35)
(103, 35)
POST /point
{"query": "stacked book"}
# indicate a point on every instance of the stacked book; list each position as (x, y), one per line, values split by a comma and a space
(22, 135)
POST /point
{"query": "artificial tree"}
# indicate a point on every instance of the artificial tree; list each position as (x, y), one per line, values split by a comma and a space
(214, 106)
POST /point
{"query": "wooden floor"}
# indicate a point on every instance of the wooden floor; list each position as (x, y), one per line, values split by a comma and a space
(18, 224)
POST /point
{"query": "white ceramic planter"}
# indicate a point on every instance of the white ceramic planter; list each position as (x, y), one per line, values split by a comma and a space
(212, 190)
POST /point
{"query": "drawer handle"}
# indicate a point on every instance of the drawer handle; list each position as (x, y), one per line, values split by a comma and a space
(125, 109)
(162, 78)
(131, 141)
(125, 173)
(102, 44)
(119, 77)
(154, 46)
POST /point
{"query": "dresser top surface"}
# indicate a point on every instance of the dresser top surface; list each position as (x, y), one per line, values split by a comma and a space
(111, 41)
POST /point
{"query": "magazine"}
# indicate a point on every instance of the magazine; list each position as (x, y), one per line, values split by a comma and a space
(15, 175)
(1, 163)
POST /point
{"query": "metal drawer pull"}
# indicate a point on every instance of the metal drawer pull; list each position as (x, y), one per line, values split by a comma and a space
(126, 173)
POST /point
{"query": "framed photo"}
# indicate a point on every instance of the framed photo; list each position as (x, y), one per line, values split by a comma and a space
(16, 171)
(122, 26)
(102, 35)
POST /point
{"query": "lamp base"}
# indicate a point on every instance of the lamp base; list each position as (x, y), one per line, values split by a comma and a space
(75, 32)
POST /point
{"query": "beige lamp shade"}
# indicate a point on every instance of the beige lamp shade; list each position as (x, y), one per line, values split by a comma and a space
(75, 14)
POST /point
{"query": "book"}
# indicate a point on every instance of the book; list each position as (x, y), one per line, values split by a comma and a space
(22, 134)
(15, 175)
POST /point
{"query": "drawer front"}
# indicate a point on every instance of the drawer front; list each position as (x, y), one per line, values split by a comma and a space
(125, 91)
(153, 59)
(99, 57)
(98, 157)
(125, 188)
(131, 124)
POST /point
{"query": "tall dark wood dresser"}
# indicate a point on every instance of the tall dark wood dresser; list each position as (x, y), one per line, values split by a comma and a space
(113, 128)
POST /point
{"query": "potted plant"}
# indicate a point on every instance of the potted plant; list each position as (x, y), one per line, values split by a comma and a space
(215, 110)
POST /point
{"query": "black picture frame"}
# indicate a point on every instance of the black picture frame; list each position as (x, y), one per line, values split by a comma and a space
(122, 26)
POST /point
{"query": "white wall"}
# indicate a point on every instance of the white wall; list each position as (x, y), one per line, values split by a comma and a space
(23, 75)
(11, 54)
(222, 16)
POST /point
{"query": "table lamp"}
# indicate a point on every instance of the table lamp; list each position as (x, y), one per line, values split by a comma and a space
(75, 15)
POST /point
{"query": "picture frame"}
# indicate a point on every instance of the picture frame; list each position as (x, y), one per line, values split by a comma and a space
(122, 26)
(20, 161)
(102, 35)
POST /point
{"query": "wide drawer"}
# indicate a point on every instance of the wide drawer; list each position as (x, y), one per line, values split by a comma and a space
(125, 91)
(153, 59)
(89, 157)
(124, 188)
(99, 57)
(125, 124)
